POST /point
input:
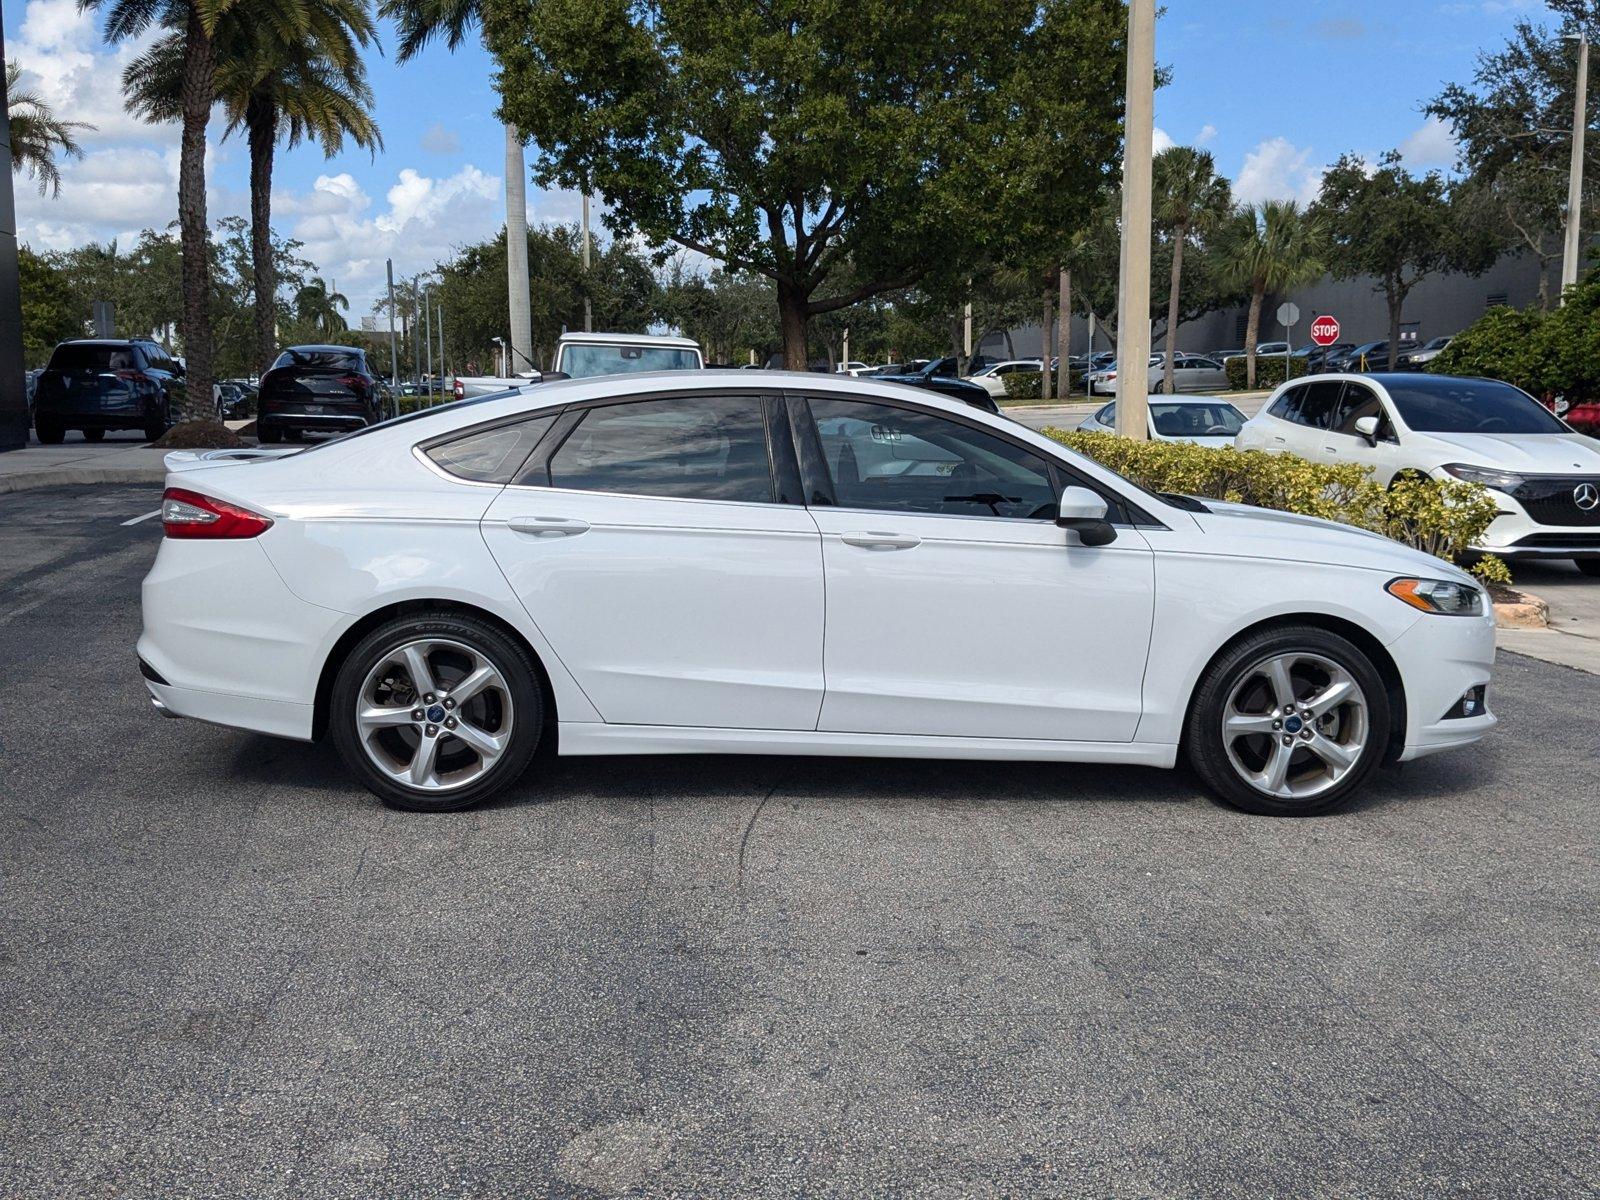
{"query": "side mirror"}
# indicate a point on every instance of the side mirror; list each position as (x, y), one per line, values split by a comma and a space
(1367, 427)
(1084, 512)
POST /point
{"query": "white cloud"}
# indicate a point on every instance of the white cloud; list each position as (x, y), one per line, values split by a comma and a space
(1432, 145)
(1207, 135)
(1277, 169)
(1162, 140)
(436, 139)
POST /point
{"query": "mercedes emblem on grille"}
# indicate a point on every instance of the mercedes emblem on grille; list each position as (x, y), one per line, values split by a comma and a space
(1586, 496)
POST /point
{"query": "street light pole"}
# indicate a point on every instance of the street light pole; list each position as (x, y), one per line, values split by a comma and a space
(588, 308)
(1133, 308)
(1572, 251)
(394, 352)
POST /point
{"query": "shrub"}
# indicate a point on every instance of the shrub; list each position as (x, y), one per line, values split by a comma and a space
(1269, 370)
(1439, 518)
(1024, 385)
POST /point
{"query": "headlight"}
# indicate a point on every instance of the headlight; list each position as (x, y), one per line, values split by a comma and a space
(1438, 596)
(1488, 476)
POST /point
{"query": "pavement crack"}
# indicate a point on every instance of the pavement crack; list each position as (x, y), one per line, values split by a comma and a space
(749, 826)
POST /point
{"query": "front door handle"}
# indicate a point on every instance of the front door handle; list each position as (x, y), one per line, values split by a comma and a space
(547, 527)
(881, 541)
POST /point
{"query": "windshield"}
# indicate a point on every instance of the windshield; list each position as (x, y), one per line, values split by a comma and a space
(1196, 420)
(93, 356)
(1443, 405)
(320, 360)
(585, 362)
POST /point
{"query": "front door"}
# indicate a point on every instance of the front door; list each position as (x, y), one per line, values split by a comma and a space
(955, 605)
(1341, 443)
(659, 550)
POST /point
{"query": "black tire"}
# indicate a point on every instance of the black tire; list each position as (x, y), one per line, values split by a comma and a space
(94, 435)
(1589, 566)
(1203, 739)
(1158, 387)
(509, 657)
(158, 423)
(269, 435)
(51, 433)
(293, 435)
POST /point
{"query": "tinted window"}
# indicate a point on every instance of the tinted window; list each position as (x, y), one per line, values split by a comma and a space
(583, 362)
(690, 447)
(1357, 402)
(1317, 403)
(1196, 420)
(902, 460)
(1107, 415)
(321, 360)
(94, 356)
(1285, 405)
(491, 455)
(1441, 405)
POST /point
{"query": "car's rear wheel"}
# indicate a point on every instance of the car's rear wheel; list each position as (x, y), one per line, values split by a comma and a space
(50, 432)
(94, 435)
(437, 712)
(1589, 566)
(1288, 722)
(159, 422)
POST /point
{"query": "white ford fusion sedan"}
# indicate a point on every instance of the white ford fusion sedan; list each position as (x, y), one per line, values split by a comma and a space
(752, 562)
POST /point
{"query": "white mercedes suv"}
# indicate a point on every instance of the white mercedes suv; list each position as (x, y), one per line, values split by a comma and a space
(1544, 475)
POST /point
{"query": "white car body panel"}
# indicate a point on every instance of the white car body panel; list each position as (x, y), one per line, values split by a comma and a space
(691, 626)
(1556, 454)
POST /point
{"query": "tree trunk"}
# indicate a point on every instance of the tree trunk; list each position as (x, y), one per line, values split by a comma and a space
(1011, 349)
(261, 121)
(1064, 337)
(521, 305)
(1397, 303)
(199, 80)
(1044, 345)
(792, 317)
(1252, 331)
(1178, 236)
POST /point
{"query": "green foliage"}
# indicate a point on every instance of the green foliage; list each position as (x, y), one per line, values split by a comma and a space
(841, 154)
(1023, 385)
(1269, 370)
(50, 311)
(1548, 354)
(1442, 519)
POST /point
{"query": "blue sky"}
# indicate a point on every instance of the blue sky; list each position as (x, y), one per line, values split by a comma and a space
(1276, 90)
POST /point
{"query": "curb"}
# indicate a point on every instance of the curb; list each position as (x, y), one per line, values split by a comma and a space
(1521, 611)
(76, 478)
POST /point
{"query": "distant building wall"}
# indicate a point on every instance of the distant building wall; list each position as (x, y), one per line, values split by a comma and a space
(1440, 304)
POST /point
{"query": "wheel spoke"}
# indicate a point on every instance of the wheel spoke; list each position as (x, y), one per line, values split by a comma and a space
(1339, 758)
(488, 746)
(416, 660)
(372, 718)
(1340, 689)
(1277, 673)
(1276, 774)
(420, 772)
(483, 676)
(1241, 724)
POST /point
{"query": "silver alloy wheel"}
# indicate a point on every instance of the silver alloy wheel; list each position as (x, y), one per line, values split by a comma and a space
(434, 714)
(1295, 724)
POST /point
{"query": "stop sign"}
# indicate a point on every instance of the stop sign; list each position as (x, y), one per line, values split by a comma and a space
(1325, 330)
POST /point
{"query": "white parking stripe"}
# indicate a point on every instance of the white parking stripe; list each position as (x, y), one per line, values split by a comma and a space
(155, 512)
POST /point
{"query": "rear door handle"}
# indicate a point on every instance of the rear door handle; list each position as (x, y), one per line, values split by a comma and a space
(547, 527)
(881, 541)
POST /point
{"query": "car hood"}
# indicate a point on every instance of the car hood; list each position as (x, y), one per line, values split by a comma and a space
(1534, 454)
(1250, 532)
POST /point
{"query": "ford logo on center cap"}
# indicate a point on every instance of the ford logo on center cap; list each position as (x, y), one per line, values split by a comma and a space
(436, 713)
(1293, 724)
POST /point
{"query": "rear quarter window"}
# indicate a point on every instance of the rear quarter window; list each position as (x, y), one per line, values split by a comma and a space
(490, 455)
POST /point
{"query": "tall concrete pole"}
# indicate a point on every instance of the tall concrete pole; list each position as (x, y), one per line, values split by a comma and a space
(588, 309)
(521, 345)
(394, 352)
(14, 417)
(427, 338)
(1133, 294)
(1572, 251)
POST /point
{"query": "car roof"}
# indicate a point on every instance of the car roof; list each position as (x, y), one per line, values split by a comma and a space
(101, 341)
(341, 349)
(648, 339)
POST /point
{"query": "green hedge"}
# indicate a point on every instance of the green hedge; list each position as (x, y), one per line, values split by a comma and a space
(1442, 519)
(1024, 385)
(1269, 371)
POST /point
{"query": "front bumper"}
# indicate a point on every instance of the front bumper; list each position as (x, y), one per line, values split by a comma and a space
(1440, 658)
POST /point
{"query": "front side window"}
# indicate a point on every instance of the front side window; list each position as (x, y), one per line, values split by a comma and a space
(688, 447)
(1443, 405)
(903, 460)
(1358, 401)
(491, 455)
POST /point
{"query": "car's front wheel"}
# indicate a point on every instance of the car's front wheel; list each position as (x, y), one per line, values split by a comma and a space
(1288, 722)
(437, 711)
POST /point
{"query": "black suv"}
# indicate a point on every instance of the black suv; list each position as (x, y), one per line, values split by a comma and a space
(103, 383)
(321, 389)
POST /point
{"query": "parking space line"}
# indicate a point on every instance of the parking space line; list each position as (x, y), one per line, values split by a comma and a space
(155, 512)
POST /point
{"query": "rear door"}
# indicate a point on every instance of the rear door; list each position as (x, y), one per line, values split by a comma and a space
(662, 548)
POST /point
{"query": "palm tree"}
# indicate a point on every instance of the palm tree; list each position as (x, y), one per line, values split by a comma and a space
(1190, 198)
(318, 305)
(37, 137)
(301, 82)
(421, 21)
(1272, 246)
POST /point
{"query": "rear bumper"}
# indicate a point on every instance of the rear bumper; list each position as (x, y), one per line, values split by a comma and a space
(313, 421)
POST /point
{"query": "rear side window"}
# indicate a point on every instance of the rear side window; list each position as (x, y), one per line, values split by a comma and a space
(491, 455)
(690, 447)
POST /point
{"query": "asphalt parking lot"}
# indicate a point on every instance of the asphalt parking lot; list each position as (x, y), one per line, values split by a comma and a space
(226, 970)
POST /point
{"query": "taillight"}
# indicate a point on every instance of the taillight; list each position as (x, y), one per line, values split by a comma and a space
(356, 383)
(460, 389)
(186, 514)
